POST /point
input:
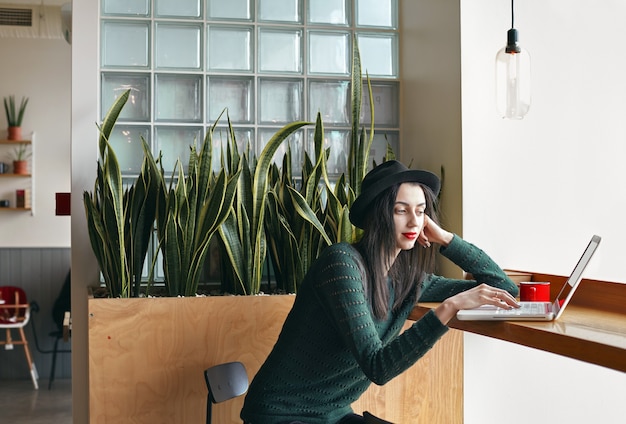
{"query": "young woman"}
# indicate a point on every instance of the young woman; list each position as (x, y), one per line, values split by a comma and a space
(343, 332)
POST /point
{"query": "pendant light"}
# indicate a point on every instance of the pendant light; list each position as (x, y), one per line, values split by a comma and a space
(512, 76)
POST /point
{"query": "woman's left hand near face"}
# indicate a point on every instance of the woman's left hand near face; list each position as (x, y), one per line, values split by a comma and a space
(433, 233)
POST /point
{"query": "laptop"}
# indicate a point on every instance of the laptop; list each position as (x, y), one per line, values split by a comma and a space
(536, 311)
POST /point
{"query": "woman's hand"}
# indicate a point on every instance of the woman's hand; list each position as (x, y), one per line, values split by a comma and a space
(473, 298)
(433, 233)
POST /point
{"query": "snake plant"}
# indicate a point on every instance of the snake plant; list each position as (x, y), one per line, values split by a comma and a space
(243, 236)
(256, 208)
(14, 116)
(189, 213)
(303, 220)
(120, 221)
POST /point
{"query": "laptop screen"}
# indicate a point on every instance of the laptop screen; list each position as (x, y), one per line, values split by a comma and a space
(576, 276)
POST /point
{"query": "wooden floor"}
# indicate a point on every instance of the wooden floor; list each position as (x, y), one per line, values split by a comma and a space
(21, 403)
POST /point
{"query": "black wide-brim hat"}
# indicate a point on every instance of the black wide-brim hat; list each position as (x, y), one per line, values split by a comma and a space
(386, 175)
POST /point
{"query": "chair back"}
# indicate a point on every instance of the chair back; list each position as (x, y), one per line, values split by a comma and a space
(225, 381)
(13, 305)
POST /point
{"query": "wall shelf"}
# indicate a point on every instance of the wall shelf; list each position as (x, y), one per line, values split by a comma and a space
(11, 182)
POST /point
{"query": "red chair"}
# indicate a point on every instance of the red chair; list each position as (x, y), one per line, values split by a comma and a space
(15, 314)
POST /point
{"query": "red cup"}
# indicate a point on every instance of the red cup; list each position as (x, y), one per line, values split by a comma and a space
(534, 291)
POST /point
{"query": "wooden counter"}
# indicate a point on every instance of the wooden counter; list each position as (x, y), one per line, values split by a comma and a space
(592, 328)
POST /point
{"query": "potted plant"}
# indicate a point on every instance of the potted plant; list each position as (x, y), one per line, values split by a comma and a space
(120, 221)
(181, 332)
(15, 117)
(153, 351)
(20, 159)
(187, 214)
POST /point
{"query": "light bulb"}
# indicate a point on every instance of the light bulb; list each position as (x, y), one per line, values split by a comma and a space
(513, 79)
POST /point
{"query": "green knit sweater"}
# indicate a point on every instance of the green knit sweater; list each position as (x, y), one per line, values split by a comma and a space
(331, 348)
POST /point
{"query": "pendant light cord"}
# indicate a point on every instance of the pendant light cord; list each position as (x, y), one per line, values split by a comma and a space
(512, 15)
(511, 35)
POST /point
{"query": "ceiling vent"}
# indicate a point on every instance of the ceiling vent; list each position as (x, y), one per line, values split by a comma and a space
(16, 17)
(30, 22)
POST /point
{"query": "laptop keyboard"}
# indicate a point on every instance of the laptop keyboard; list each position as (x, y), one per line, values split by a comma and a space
(534, 308)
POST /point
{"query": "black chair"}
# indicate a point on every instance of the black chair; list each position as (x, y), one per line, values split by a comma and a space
(224, 381)
(61, 305)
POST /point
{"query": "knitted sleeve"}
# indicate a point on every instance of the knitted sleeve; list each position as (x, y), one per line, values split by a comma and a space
(380, 354)
(471, 259)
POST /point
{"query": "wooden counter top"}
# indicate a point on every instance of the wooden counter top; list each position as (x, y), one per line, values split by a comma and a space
(592, 328)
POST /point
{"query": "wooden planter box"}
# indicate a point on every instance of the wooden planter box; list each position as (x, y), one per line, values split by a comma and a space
(147, 357)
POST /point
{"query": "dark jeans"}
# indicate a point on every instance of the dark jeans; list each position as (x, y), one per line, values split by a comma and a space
(352, 419)
(348, 419)
(367, 418)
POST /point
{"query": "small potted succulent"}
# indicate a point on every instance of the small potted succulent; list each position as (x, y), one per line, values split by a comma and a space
(20, 159)
(15, 116)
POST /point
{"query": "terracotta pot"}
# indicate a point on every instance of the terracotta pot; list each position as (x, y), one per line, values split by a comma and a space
(15, 133)
(20, 167)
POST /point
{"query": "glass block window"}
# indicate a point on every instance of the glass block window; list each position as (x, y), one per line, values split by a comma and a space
(265, 63)
(167, 46)
(223, 41)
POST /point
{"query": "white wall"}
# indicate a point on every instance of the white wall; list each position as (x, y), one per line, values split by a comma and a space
(508, 383)
(554, 178)
(535, 190)
(40, 70)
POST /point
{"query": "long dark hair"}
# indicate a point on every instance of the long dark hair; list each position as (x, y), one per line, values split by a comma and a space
(377, 247)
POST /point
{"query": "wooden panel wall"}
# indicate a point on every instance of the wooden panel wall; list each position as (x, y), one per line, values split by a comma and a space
(41, 273)
(147, 356)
